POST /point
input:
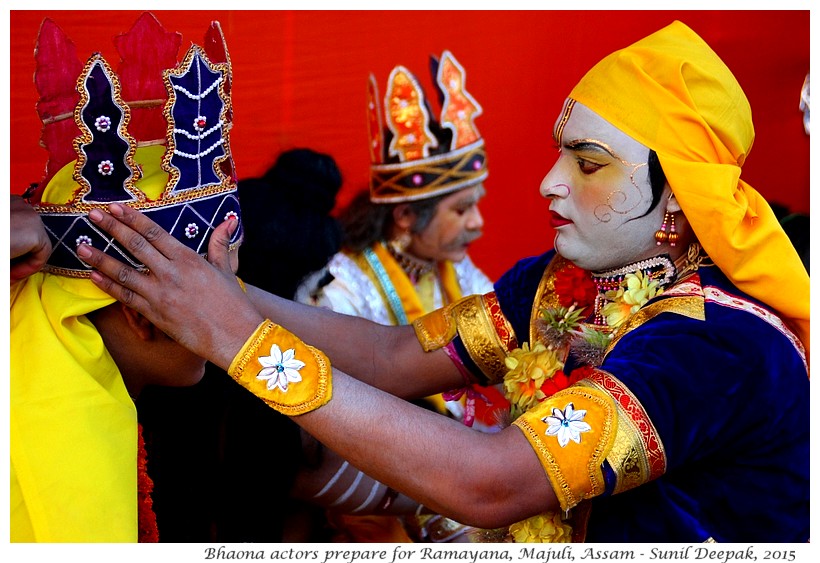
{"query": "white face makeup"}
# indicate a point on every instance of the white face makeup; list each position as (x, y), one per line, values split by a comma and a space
(457, 223)
(599, 193)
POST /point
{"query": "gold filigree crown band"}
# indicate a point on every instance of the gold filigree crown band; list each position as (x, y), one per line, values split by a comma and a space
(428, 177)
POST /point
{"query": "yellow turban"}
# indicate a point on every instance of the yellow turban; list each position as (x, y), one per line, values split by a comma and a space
(671, 92)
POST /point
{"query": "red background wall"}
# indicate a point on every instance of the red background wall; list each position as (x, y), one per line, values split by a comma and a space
(300, 80)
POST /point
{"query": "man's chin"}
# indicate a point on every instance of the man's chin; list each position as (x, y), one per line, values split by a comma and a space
(457, 256)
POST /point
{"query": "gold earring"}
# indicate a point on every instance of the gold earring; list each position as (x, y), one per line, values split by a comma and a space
(401, 242)
(673, 235)
(661, 236)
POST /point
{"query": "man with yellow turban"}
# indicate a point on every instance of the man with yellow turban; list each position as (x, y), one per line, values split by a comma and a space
(656, 358)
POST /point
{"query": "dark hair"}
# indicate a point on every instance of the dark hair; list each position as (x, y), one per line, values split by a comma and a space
(796, 226)
(306, 178)
(365, 223)
(289, 231)
(657, 179)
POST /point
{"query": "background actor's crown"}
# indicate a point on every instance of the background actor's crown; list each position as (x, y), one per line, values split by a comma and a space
(412, 155)
(153, 136)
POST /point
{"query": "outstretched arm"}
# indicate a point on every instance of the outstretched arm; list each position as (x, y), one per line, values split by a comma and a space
(456, 471)
(387, 357)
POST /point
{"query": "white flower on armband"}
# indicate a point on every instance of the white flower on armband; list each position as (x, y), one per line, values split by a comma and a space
(567, 424)
(280, 369)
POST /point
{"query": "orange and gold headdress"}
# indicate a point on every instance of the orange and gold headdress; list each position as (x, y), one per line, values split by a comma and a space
(414, 156)
(153, 136)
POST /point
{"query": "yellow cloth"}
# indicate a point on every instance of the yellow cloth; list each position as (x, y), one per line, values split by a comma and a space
(62, 187)
(73, 427)
(671, 92)
(408, 294)
(574, 468)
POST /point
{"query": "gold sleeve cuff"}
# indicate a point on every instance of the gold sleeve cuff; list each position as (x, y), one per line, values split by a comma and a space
(478, 326)
(276, 366)
(572, 432)
(484, 331)
(637, 455)
(436, 329)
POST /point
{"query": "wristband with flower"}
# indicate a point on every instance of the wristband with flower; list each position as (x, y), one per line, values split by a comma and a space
(276, 366)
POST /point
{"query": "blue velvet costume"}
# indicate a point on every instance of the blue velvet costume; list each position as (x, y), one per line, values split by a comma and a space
(728, 398)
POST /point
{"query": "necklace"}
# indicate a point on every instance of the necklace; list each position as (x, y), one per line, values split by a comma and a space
(414, 267)
(659, 269)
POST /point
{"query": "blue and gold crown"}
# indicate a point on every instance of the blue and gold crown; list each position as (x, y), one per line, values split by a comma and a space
(153, 136)
(413, 156)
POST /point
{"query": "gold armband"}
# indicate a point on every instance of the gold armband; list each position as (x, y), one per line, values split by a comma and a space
(276, 366)
(572, 432)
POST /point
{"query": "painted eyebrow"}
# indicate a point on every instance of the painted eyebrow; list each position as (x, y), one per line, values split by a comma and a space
(591, 145)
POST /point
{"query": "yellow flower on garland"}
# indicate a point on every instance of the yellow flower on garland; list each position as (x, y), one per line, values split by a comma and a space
(634, 292)
(544, 528)
(528, 370)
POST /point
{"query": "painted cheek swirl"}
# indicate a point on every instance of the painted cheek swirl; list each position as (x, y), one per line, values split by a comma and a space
(618, 198)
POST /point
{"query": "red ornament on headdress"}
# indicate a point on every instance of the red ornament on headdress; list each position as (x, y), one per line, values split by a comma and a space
(459, 108)
(407, 117)
(374, 120)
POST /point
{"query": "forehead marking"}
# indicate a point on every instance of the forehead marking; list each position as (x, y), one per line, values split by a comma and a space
(559, 127)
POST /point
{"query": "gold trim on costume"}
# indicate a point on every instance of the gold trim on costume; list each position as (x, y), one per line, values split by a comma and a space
(480, 337)
(688, 306)
(637, 455)
(436, 329)
(86, 137)
(545, 295)
(451, 172)
(226, 180)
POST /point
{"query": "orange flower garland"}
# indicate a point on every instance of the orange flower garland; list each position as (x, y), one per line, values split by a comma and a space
(537, 372)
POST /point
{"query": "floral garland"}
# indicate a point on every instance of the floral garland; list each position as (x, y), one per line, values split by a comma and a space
(146, 518)
(536, 372)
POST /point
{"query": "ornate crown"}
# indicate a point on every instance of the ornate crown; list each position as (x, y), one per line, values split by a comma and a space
(414, 156)
(153, 136)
